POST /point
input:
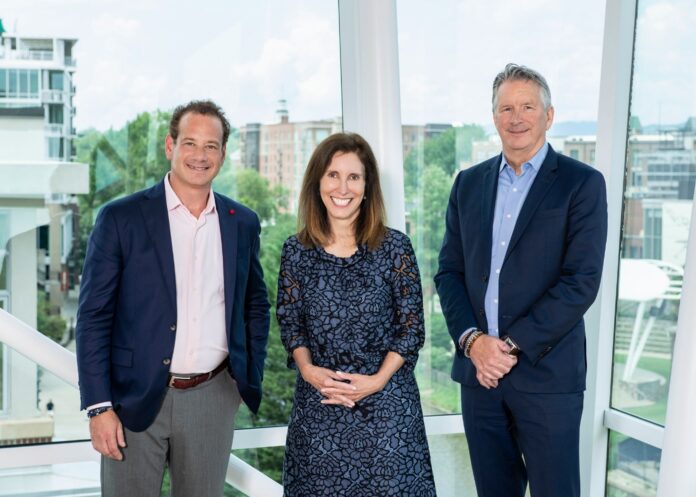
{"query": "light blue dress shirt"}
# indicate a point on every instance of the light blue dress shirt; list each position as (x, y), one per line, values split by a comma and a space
(512, 191)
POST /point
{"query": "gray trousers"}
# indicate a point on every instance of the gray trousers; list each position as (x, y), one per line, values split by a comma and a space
(192, 433)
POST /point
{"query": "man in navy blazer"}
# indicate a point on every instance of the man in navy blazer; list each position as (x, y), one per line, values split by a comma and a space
(520, 264)
(173, 321)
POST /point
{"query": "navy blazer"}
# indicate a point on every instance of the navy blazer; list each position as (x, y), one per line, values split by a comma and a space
(126, 323)
(550, 274)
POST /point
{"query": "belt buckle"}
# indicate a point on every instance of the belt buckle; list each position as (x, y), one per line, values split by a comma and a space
(174, 377)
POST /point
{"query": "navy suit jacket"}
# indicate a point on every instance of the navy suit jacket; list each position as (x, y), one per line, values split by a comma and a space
(550, 274)
(126, 324)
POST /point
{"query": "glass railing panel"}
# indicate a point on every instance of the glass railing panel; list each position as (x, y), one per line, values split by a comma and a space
(633, 467)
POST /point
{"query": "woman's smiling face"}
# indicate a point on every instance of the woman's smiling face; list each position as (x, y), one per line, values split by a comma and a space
(342, 187)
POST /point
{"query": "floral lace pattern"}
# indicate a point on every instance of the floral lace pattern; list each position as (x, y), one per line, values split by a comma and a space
(349, 312)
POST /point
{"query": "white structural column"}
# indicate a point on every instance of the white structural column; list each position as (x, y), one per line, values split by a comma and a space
(370, 88)
(22, 381)
(677, 475)
(612, 126)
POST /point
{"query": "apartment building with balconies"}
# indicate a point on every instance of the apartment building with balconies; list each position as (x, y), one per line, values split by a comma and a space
(36, 73)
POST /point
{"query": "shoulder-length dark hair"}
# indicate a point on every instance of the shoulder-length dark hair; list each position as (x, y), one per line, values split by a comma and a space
(312, 220)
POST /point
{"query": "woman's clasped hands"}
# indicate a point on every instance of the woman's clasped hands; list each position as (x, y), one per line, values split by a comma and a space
(341, 388)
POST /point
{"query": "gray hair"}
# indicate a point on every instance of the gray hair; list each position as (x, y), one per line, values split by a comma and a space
(514, 72)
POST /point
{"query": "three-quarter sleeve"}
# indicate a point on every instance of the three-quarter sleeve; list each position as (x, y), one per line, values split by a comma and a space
(407, 294)
(289, 302)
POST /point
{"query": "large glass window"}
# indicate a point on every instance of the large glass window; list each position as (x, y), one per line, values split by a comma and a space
(13, 83)
(274, 68)
(3, 83)
(23, 83)
(660, 178)
(3, 375)
(56, 80)
(34, 83)
(55, 147)
(448, 59)
(19, 83)
(632, 468)
(4, 236)
(55, 114)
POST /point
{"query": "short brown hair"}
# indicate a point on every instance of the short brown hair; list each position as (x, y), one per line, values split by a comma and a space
(313, 222)
(204, 107)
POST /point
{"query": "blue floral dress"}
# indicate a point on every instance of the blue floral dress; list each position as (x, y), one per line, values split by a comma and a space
(350, 312)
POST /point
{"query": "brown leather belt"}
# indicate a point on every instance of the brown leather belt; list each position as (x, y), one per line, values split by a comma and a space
(183, 381)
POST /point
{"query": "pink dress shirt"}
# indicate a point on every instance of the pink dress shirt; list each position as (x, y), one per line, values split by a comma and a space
(201, 340)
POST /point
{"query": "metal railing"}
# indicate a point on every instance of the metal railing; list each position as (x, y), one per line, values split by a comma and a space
(55, 96)
(27, 54)
(54, 129)
(61, 362)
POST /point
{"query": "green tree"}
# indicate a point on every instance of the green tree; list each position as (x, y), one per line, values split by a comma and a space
(427, 216)
(120, 162)
(634, 125)
(279, 380)
(427, 206)
(428, 171)
(446, 150)
(248, 187)
(50, 324)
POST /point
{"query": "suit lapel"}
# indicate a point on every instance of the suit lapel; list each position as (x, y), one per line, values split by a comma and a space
(154, 210)
(228, 236)
(490, 188)
(545, 178)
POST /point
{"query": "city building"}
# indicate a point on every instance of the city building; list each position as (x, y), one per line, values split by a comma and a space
(660, 181)
(37, 73)
(280, 151)
(37, 204)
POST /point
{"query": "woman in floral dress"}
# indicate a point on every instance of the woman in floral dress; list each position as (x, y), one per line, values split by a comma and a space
(351, 316)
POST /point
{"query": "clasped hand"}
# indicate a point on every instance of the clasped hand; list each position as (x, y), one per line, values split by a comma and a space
(341, 388)
(491, 359)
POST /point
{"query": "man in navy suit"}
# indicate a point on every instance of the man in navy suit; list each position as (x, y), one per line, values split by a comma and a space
(173, 321)
(520, 263)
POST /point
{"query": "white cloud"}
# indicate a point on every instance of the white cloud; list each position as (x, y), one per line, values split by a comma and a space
(300, 63)
(665, 63)
(455, 52)
(116, 27)
(135, 56)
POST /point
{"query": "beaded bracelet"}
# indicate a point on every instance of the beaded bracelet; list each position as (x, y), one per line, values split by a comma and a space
(98, 410)
(464, 338)
(470, 341)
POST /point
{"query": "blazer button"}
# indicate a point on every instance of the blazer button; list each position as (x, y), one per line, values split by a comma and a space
(485, 279)
(166, 362)
(482, 312)
(172, 327)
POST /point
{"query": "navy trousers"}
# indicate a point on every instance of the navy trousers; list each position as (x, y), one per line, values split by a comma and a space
(518, 437)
